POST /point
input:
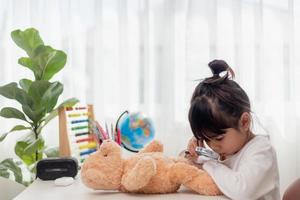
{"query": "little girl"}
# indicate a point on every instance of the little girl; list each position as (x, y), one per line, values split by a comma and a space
(220, 116)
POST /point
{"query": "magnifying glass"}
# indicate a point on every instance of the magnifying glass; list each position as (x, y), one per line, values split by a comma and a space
(205, 154)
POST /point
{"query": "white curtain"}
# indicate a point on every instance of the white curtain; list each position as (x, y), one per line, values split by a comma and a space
(144, 55)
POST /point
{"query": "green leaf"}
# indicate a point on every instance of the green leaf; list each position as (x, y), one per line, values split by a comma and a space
(49, 61)
(19, 128)
(45, 94)
(27, 62)
(25, 84)
(29, 113)
(15, 128)
(28, 39)
(55, 64)
(37, 90)
(11, 91)
(9, 112)
(34, 115)
(3, 136)
(25, 148)
(68, 102)
(54, 113)
(31, 148)
(52, 152)
(10, 164)
(51, 95)
(4, 172)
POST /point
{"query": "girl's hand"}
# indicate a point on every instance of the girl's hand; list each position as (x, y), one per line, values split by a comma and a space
(193, 143)
(187, 158)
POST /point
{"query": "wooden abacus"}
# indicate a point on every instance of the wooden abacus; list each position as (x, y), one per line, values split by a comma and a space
(75, 136)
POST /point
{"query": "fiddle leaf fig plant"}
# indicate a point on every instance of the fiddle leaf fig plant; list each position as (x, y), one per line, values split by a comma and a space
(37, 100)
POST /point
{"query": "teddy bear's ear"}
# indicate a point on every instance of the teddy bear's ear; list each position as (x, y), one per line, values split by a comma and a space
(109, 147)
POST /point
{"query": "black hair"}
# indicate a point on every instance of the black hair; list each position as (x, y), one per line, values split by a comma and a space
(217, 103)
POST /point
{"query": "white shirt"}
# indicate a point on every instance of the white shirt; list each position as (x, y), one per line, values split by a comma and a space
(250, 174)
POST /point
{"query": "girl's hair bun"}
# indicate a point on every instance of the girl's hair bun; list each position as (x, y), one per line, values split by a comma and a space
(217, 67)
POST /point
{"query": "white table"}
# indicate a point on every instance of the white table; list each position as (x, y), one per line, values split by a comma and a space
(46, 190)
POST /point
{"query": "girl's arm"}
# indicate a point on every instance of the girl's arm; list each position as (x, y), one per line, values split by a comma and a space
(255, 177)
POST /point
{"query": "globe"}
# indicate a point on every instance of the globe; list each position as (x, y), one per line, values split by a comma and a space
(137, 130)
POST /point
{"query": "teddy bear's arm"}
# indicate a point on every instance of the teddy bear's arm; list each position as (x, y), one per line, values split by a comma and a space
(140, 175)
(194, 178)
(154, 146)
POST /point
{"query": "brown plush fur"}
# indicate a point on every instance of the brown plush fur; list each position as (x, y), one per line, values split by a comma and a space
(149, 171)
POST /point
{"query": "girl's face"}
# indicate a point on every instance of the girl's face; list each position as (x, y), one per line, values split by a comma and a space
(233, 139)
(229, 143)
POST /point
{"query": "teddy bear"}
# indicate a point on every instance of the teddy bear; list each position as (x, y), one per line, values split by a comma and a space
(149, 171)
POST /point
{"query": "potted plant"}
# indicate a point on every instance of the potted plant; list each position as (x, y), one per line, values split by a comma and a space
(37, 99)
